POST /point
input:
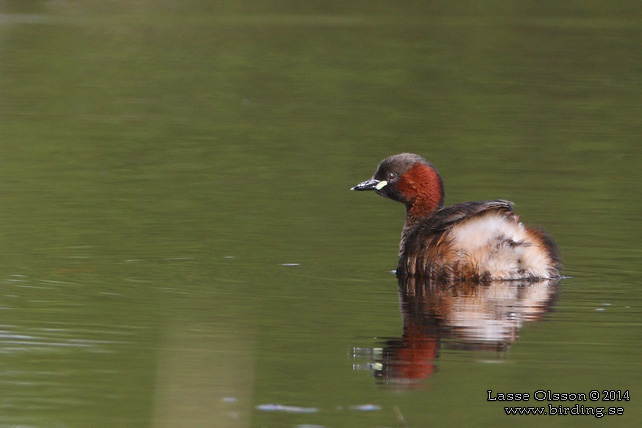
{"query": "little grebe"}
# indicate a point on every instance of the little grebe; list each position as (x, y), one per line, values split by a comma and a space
(479, 241)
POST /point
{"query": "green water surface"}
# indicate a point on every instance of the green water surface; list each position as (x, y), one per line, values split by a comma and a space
(180, 248)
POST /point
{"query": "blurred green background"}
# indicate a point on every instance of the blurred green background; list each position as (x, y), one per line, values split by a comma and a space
(179, 244)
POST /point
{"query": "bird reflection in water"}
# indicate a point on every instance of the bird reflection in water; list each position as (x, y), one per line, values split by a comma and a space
(458, 316)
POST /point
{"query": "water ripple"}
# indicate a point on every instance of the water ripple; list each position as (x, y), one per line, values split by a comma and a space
(288, 409)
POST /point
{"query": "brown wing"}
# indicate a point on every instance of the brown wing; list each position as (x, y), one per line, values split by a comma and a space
(445, 218)
(422, 249)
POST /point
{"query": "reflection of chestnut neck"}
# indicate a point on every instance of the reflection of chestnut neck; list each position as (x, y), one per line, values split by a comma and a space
(416, 353)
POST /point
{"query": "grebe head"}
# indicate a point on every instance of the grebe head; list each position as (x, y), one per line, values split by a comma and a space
(410, 179)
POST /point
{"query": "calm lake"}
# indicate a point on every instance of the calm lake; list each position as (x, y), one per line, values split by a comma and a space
(180, 247)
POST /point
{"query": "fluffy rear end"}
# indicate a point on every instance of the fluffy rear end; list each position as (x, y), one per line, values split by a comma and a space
(499, 247)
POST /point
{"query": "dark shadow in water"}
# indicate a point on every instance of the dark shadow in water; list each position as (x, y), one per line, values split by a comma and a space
(460, 316)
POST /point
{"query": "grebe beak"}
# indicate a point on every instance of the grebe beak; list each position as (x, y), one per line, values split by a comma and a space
(371, 184)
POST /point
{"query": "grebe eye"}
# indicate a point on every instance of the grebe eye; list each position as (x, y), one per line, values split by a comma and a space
(391, 176)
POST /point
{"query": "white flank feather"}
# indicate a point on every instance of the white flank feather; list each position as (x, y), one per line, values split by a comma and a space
(501, 246)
